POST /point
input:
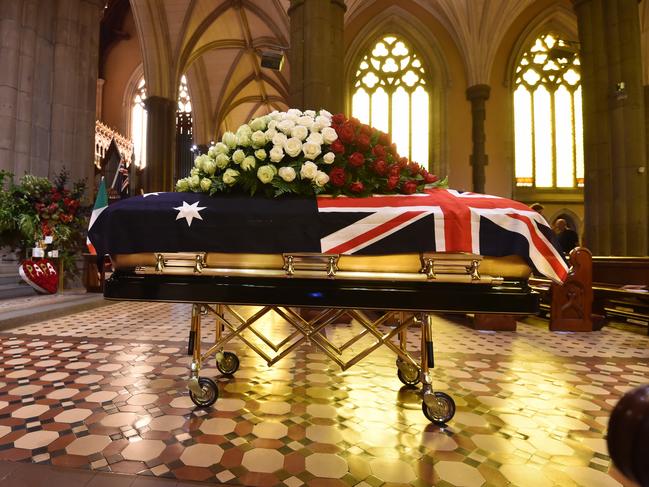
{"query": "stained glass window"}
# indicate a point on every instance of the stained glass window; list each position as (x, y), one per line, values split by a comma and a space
(391, 94)
(138, 125)
(548, 126)
(139, 117)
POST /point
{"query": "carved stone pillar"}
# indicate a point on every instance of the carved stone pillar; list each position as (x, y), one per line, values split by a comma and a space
(478, 95)
(615, 153)
(160, 144)
(316, 54)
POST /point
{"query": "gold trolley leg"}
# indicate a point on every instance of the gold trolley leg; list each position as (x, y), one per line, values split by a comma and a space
(437, 406)
(408, 373)
(194, 349)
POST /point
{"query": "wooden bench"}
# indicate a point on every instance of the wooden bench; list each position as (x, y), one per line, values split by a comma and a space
(620, 290)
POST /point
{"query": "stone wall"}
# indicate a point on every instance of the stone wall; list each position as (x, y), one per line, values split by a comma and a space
(48, 76)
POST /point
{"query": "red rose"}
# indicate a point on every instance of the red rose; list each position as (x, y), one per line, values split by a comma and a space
(356, 187)
(409, 187)
(338, 119)
(378, 151)
(56, 196)
(380, 167)
(363, 142)
(337, 177)
(346, 133)
(430, 178)
(384, 138)
(414, 168)
(357, 159)
(393, 182)
(403, 162)
(355, 122)
(366, 129)
(337, 147)
(394, 170)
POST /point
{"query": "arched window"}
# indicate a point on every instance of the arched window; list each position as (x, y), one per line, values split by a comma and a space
(138, 125)
(391, 94)
(548, 127)
(184, 131)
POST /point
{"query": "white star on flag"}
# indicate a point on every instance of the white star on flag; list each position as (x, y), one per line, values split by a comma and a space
(149, 194)
(189, 212)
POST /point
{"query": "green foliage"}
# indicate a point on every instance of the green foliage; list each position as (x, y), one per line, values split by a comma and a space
(35, 207)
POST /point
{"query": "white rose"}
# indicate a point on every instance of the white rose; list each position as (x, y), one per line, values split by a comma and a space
(222, 161)
(249, 163)
(198, 162)
(195, 181)
(292, 117)
(230, 176)
(212, 152)
(194, 172)
(261, 154)
(308, 170)
(258, 124)
(230, 140)
(209, 166)
(238, 156)
(276, 153)
(325, 113)
(270, 134)
(310, 113)
(323, 121)
(329, 157)
(244, 140)
(311, 150)
(206, 184)
(220, 148)
(294, 112)
(244, 130)
(182, 185)
(305, 121)
(287, 173)
(272, 125)
(316, 138)
(329, 135)
(321, 178)
(286, 126)
(266, 173)
(275, 115)
(293, 146)
(258, 139)
(279, 139)
(316, 127)
(299, 132)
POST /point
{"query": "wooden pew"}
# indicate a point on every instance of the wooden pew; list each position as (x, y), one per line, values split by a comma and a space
(619, 291)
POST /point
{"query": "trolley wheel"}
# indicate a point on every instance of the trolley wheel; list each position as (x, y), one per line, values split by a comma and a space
(229, 364)
(442, 410)
(407, 374)
(210, 393)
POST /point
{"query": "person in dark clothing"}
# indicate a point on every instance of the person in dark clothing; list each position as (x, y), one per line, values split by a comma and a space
(568, 238)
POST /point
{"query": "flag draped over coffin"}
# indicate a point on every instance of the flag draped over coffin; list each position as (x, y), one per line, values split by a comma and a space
(440, 220)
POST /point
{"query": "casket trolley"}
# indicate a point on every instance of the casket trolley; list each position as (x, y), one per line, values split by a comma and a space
(405, 288)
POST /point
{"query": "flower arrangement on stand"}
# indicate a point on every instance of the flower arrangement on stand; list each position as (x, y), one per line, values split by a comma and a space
(306, 153)
(36, 212)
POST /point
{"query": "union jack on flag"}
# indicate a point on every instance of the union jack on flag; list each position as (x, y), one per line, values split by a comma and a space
(442, 220)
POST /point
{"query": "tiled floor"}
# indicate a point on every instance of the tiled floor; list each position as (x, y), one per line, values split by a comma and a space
(105, 390)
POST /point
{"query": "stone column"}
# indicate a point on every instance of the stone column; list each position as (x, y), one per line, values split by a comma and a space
(478, 95)
(316, 54)
(160, 144)
(615, 189)
(74, 82)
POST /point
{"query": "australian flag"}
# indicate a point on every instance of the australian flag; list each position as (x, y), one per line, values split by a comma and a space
(439, 220)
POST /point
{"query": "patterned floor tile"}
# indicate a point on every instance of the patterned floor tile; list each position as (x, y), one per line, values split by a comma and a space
(106, 390)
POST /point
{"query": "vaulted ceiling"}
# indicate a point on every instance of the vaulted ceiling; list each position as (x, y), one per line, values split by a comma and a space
(218, 44)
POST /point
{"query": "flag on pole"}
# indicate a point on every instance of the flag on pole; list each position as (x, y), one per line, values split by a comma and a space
(101, 203)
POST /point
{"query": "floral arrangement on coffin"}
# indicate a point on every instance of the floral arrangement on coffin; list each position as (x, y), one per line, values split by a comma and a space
(306, 153)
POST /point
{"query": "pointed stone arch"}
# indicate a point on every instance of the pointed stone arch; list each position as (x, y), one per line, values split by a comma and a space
(395, 20)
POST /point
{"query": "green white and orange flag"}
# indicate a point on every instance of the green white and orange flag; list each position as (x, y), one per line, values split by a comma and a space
(101, 203)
